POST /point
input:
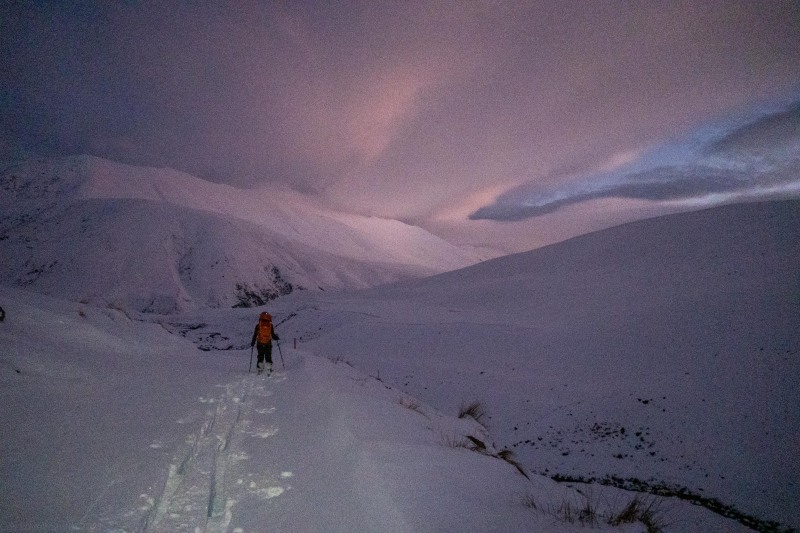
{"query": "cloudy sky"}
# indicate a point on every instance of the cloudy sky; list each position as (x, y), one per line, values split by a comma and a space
(512, 123)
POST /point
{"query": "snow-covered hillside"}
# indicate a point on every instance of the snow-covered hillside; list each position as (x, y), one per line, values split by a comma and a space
(159, 240)
(662, 355)
(116, 425)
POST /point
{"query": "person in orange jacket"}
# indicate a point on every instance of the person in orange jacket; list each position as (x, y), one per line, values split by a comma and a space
(262, 340)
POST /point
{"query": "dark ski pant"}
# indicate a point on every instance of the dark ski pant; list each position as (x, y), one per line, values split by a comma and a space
(264, 352)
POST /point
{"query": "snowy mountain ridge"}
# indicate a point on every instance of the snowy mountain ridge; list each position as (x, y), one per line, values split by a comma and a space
(160, 240)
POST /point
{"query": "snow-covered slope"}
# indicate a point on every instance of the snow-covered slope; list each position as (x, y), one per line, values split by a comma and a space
(663, 354)
(160, 240)
(115, 425)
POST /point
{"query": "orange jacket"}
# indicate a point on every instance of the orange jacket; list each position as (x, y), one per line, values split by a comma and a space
(264, 331)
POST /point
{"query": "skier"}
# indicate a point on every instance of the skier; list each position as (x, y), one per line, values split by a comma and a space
(264, 333)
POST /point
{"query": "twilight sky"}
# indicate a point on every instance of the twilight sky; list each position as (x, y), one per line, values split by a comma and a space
(508, 123)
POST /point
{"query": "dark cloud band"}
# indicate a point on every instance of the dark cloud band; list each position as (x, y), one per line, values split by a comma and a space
(760, 155)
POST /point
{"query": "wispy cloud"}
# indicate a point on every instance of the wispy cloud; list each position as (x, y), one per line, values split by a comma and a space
(756, 156)
(411, 110)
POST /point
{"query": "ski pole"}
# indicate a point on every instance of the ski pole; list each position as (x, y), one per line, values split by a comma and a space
(281, 352)
(251, 361)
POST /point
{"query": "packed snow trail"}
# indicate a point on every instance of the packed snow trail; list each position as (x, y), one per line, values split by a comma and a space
(194, 494)
(257, 436)
(213, 471)
(322, 447)
(264, 433)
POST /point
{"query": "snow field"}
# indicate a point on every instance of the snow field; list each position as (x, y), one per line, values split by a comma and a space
(120, 428)
(125, 427)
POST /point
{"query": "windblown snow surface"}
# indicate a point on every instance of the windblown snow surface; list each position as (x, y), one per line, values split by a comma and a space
(660, 355)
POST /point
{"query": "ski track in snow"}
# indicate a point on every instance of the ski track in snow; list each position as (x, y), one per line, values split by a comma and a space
(199, 492)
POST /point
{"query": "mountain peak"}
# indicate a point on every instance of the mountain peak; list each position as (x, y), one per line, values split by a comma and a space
(161, 240)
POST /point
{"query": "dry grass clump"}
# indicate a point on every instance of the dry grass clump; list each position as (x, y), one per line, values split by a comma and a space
(508, 456)
(586, 511)
(412, 404)
(642, 509)
(475, 411)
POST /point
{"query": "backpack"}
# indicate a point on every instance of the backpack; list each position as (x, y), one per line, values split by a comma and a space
(264, 335)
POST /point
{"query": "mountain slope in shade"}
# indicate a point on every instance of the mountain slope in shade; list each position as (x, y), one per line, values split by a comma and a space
(662, 353)
(160, 240)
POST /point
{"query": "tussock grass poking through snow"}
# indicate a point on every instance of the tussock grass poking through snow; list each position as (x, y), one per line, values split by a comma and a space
(475, 411)
(412, 405)
(590, 510)
(452, 441)
(508, 456)
(643, 509)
